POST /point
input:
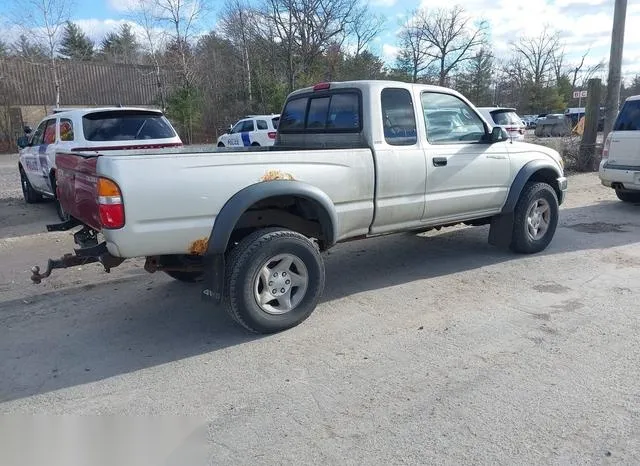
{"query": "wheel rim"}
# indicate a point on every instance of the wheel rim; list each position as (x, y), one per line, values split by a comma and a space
(281, 284)
(538, 219)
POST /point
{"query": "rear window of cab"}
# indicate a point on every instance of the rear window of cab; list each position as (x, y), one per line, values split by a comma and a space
(326, 112)
(126, 125)
(629, 117)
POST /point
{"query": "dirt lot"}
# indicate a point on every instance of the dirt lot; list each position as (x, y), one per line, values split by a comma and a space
(433, 348)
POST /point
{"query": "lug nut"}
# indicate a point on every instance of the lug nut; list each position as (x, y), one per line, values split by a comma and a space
(270, 283)
(274, 291)
(284, 274)
(287, 282)
(282, 290)
(275, 275)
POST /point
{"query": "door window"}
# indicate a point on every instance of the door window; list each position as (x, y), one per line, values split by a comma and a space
(449, 120)
(398, 117)
(66, 129)
(39, 134)
(262, 124)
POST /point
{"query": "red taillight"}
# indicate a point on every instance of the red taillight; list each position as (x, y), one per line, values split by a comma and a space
(110, 204)
(272, 134)
(321, 86)
(606, 147)
(511, 128)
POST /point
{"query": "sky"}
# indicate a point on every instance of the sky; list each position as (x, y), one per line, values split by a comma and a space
(583, 24)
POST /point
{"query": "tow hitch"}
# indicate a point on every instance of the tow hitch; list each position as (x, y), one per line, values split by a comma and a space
(90, 251)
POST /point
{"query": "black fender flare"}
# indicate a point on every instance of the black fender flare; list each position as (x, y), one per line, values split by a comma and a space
(237, 205)
(501, 229)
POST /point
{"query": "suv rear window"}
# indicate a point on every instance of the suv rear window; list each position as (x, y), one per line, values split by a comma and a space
(629, 117)
(327, 112)
(126, 125)
(502, 117)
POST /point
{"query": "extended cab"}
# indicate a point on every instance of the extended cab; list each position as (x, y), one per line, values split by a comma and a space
(352, 160)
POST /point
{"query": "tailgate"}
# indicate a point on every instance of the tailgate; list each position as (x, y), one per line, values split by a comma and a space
(76, 187)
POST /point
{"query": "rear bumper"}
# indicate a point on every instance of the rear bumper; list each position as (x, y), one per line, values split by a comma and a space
(620, 176)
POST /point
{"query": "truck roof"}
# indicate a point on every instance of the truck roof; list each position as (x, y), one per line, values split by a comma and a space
(372, 84)
(634, 97)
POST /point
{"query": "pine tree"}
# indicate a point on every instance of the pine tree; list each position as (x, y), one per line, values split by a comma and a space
(24, 48)
(121, 46)
(75, 44)
(477, 78)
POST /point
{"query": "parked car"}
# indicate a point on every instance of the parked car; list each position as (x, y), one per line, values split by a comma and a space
(506, 118)
(85, 130)
(352, 160)
(553, 125)
(620, 165)
(255, 130)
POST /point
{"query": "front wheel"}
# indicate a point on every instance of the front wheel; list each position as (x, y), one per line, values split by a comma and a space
(626, 196)
(535, 218)
(274, 280)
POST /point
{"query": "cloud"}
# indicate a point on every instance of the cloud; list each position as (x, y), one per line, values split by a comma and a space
(390, 52)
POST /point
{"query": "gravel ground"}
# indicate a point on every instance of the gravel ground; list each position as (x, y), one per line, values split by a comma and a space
(434, 348)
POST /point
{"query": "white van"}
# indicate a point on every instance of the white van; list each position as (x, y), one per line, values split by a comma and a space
(620, 165)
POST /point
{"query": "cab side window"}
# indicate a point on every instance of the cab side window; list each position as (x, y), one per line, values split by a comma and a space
(450, 120)
(398, 117)
(66, 129)
(247, 126)
(262, 124)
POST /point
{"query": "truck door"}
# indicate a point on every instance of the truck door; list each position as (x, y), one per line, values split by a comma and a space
(400, 164)
(466, 176)
(46, 154)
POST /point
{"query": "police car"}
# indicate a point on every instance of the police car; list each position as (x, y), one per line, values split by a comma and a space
(253, 130)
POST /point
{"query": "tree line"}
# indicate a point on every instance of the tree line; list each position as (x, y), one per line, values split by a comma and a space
(259, 52)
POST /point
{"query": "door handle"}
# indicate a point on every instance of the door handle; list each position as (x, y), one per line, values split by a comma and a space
(439, 161)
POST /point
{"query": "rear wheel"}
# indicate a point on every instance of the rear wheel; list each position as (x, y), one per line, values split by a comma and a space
(535, 218)
(274, 280)
(626, 196)
(31, 196)
(255, 144)
(186, 277)
(220, 144)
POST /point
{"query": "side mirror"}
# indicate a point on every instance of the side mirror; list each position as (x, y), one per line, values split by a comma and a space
(22, 142)
(498, 134)
(27, 130)
(230, 128)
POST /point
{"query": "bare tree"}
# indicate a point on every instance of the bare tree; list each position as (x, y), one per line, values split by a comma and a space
(43, 22)
(538, 55)
(415, 51)
(146, 14)
(452, 38)
(306, 28)
(236, 24)
(364, 28)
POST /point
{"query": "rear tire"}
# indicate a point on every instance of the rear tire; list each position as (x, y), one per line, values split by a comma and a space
(220, 144)
(31, 196)
(255, 144)
(626, 196)
(274, 280)
(535, 218)
(186, 277)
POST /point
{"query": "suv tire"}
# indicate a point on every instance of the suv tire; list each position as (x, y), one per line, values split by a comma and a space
(31, 196)
(274, 280)
(535, 218)
(626, 196)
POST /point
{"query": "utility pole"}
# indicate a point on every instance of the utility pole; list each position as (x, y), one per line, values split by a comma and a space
(615, 65)
(590, 133)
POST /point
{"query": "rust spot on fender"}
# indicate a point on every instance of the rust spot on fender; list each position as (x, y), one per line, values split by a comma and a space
(272, 175)
(199, 246)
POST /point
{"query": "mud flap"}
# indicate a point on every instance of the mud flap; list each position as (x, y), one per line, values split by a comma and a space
(213, 288)
(501, 231)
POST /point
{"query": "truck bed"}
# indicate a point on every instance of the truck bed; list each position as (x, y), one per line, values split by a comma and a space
(171, 197)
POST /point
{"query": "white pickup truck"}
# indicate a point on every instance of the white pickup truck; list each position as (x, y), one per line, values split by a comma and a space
(351, 160)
